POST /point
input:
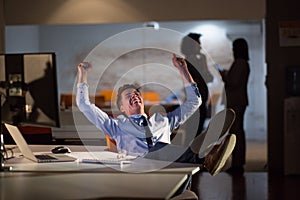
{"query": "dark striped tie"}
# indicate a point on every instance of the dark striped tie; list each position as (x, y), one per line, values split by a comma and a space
(144, 123)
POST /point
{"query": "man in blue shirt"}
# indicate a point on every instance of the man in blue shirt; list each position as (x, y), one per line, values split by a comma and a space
(137, 134)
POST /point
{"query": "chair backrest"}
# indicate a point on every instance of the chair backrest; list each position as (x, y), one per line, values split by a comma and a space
(150, 97)
(111, 144)
(109, 95)
(66, 100)
(98, 100)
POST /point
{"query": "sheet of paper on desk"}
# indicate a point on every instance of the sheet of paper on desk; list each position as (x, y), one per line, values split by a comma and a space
(98, 155)
(105, 157)
(106, 162)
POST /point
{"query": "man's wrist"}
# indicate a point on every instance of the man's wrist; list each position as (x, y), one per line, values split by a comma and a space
(195, 88)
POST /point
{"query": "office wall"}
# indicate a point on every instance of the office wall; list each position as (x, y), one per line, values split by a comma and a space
(2, 26)
(120, 11)
(278, 58)
(23, 39)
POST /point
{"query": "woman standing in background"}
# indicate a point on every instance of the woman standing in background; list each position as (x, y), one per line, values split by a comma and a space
(236, 81)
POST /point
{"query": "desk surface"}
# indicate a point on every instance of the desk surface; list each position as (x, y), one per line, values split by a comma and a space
(139, 165)
(76, 180)
(15, 185)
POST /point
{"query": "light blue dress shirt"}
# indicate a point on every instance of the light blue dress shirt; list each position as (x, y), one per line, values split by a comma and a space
(131, 137)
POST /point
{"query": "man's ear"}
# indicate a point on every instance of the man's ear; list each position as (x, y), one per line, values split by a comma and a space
(122, 108)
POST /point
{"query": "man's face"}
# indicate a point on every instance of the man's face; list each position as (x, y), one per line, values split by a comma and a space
(131, 102)
(197, 46)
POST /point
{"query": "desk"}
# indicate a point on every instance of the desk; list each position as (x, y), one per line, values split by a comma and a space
(75, 180)
(16, 185)
(140, 165)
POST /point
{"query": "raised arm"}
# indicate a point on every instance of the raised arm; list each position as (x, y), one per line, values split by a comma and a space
(193, 97)
(93, 113)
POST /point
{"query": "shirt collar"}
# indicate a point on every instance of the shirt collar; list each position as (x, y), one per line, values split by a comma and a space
(137, 116)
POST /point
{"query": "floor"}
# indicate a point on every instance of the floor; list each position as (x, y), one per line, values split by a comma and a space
(250, 186)
(256, 156)
(254, 184)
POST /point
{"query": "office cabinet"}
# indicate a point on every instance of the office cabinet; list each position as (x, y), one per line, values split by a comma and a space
(292, 135)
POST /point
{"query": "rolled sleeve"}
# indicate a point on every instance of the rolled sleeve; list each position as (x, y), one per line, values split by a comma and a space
(93, 113)
(187, 109)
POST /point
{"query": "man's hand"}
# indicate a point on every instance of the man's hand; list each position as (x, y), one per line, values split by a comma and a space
(179, 63)
(83, 69)
(85, 66)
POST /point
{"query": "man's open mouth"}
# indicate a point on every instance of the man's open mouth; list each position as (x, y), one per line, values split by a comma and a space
(134, 101)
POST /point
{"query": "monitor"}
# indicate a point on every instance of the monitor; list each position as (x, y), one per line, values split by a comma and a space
(28, 86)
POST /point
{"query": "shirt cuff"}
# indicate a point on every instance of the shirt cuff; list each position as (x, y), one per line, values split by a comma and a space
(195, 88)
(82, 85)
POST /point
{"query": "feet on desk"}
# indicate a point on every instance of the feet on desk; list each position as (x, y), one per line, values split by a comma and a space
(217, 157)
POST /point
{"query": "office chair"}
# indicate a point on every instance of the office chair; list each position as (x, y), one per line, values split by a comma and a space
(111, 144)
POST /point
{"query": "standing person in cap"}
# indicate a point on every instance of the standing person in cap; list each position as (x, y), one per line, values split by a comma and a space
(197, 66)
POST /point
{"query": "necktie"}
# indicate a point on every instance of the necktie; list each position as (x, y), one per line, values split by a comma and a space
(144, 123)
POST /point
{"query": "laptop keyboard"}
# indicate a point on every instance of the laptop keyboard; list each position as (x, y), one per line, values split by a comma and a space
(45, 157)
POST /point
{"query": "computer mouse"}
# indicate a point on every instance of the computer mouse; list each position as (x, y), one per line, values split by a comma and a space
(61, 149)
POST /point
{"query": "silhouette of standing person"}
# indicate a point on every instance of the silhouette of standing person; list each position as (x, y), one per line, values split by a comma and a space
(42, 96)
(197, 65)
(236, 80)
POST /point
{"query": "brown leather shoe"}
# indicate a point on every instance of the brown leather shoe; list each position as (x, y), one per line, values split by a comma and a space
(216, 158)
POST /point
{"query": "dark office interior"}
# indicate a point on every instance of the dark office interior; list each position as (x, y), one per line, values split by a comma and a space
(273, 168)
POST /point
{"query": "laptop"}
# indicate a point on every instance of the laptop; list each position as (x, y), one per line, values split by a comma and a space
(27, 153)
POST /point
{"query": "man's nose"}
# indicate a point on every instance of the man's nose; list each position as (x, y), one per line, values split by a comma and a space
(134, 94)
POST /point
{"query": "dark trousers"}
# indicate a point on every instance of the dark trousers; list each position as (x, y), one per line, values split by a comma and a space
(239, 152)
(173, 153)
